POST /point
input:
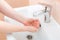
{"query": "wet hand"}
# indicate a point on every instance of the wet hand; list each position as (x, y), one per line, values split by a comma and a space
(32, 22)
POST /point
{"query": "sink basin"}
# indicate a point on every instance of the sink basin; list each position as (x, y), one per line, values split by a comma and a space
(28, 12)
(10, 37)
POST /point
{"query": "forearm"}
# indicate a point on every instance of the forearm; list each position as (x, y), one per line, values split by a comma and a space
(7, 10)
(8, 28)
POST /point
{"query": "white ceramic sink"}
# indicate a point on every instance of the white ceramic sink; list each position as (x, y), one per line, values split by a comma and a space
(42, 34)
(28, 12)
(10, 37)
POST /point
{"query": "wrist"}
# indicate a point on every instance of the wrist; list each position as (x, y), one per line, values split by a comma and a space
(23, 20)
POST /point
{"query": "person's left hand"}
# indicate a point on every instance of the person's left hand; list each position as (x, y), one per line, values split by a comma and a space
(32, 22)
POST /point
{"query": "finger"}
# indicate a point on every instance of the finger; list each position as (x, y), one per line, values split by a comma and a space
(36, 23)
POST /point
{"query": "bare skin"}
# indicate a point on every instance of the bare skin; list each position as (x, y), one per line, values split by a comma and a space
(12, 14)
(5, 27)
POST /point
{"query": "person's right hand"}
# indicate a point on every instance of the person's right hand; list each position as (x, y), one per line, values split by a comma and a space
(32, 22)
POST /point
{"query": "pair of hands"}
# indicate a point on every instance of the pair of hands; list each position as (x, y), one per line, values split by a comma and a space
(32, 25)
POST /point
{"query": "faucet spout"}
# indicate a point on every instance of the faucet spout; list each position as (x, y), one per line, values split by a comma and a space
(45, 12)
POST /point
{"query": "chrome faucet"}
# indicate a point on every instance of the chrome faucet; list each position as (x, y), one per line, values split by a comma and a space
(45, 12)
(47, 15)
